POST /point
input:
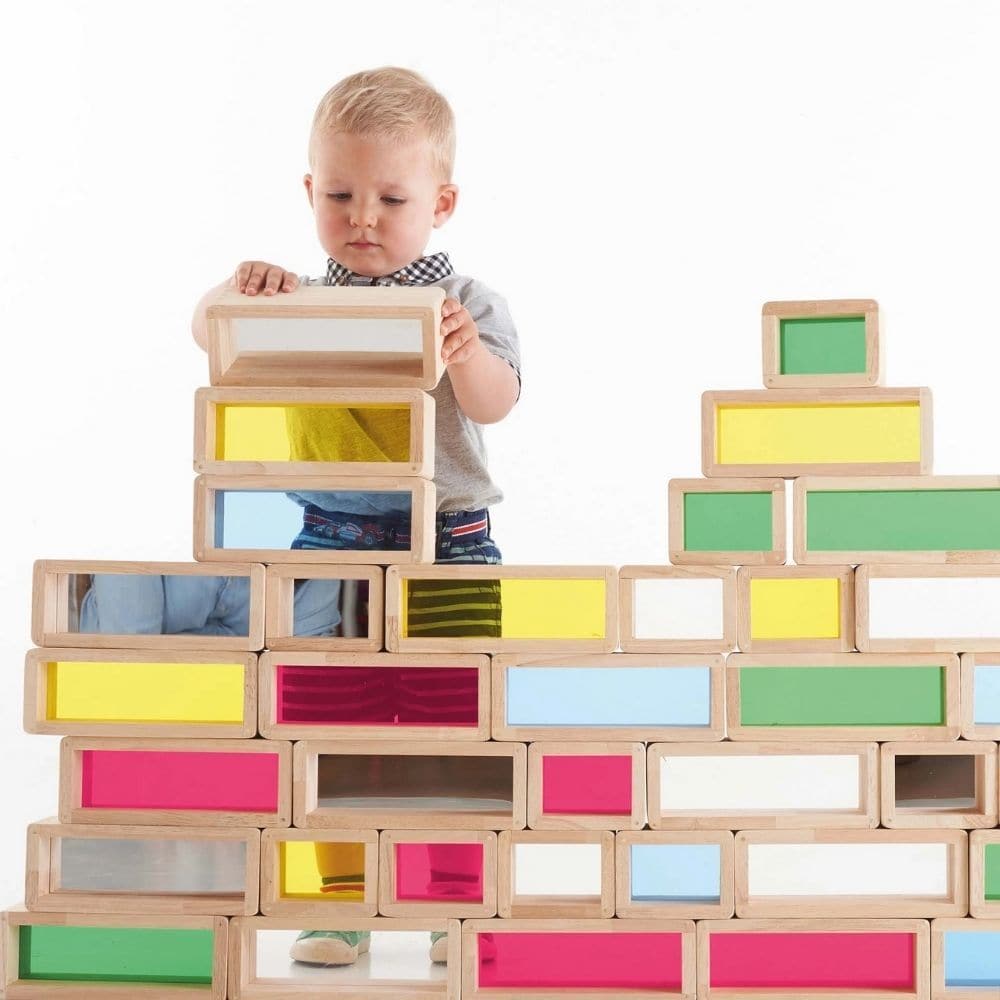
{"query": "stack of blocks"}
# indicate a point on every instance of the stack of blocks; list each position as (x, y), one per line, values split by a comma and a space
(813, 815)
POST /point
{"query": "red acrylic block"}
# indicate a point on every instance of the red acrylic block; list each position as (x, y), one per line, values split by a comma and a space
(587, 784)
(439, 873)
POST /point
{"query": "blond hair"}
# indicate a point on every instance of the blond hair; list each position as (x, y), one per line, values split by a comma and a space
(388, 103)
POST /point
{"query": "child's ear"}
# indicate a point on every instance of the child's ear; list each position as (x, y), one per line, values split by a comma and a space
(445, 204)
(308, 181)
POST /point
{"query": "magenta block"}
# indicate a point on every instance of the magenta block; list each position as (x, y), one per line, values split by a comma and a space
(439, 873)
(587, 783)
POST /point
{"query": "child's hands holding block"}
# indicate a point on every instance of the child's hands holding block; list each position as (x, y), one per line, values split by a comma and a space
(461, 335)
(253, 276)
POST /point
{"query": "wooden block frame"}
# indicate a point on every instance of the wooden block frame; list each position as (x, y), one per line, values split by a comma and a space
(538, 819)
(678, 489)
(44, 872)
(244, 983)
(626, 907)
(864, 816)
(397, 642)
(271, 728)
(714, 663)
(711, 400)
(418, 403)
(72, 811)
(843, 643)
(919, 928)
(629, 577)
(940, 927)
(470, 957)
(971, 730)
(422, 515)
(279, 608)
(562, 907)
(323, 368)
(984, 813)
(273, 904)
(390, 906)
(830, 905)
(37, 693)
(737, 731)
(50, 605)
(979, 905)
(25, 989)
(772, 313)
(309, 816)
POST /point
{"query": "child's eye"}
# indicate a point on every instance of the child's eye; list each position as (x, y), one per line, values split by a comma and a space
(338, 195)
(389, 200)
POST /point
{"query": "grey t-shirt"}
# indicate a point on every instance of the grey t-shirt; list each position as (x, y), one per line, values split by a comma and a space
(460, 475)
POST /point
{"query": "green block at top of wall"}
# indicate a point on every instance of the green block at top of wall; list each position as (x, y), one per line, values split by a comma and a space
(823, 345)
(728, 522)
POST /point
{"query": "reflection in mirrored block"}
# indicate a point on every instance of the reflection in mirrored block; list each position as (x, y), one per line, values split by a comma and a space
(485, 608)
(318, 432)
(148, 605)
(393, 958)
(296, 519)
(346, 601)
(409, 784)
(363, 696)
(322, 336)
(142, 869)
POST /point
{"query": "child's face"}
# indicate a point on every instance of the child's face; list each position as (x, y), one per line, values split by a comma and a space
(376, 200)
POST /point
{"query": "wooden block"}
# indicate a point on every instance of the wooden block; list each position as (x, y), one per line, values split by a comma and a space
(685, 874)
(849, 696)
(667, 609)
(361, 587)
(92, 956)
(433, 785)
(984, 873)
(586, 786)
(827, 343)
(314, 432)
(939, 785)
(897, 519)
(552, 959)
(55, 604)
(323, 336)
(795, 609)
(980, 696)
(842, 959)
(569, 874)
(142, 869)
(294, 864)
(822, 432)
(447, 873)
(762, 785)
(569, 609)
(928, 608)
(175, 782)
(137, 692)
(623, 696)
(375, 696)
(253, 517)
(965, 958)
(399, 968)
(713, 522)
(852, 873)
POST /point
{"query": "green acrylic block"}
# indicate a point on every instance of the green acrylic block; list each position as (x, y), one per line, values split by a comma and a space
(728, 522)
(823, 345)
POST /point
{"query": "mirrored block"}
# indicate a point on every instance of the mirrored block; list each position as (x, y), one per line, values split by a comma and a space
(296, 519)
(393, 957)
(409, 784)
(319, 432)
(101, 604)
(491, 608)
(327, 336)
(966, 958)
(375, 695)
(138, 869)
(90, 955)
(82, 692)
(183, 782)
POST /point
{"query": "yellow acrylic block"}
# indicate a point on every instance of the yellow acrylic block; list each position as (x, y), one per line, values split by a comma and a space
(301, 877)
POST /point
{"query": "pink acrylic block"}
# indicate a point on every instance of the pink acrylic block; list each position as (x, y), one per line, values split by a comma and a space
(586, 783)
(179, 779)
(440, 873)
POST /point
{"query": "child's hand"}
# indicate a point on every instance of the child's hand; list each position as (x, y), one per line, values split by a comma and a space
(461, 335)
(253, 276)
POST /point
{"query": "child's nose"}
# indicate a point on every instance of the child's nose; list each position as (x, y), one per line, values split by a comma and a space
(363, 215)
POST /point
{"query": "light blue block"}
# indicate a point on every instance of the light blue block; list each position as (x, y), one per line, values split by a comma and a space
(972, 958)
(986, 696)
(675, 872)
(608, 696)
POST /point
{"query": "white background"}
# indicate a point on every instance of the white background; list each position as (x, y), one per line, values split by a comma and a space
(636, 178)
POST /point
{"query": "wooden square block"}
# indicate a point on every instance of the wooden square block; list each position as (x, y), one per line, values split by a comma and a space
(965, 958)
(980, 696)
